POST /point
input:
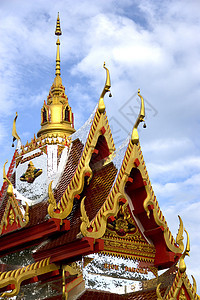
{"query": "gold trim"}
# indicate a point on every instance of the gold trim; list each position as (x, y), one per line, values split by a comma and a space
(76, 185)
(111, 205)
(179, 237)
(181, 280)
(127, 255)
(17, 276)
(182, 265)
(12, 212)
(158, 294)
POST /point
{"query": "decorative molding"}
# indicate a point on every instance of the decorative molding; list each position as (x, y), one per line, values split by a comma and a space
(17, 276)
(133, 159)
(75, 187)
(12, 213)
(180, 284)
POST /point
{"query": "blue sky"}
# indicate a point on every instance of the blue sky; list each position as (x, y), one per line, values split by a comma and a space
(151, 45)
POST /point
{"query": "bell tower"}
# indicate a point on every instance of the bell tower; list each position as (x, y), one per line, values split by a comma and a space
(56, 114)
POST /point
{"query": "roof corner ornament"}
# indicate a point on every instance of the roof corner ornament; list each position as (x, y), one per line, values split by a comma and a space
(194, 284)
(5, 179)
(84, 218)
(179, 237)
(158, 294)
(26, 215)
(51, 200)
(101, 106)
(182, 265)
(140, 118)
(14, 131)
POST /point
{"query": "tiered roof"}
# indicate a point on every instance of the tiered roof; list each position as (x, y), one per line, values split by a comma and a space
(100, 200)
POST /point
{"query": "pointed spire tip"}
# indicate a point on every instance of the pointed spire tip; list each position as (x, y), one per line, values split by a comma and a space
(58, 29)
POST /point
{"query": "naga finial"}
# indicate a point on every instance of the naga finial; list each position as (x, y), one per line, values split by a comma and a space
(5, 179)
(101, 106)
(14, 131)
(179, 237)
(158, 294)
(182, 265)
(140, 118)
(84, 218)
(51, 199)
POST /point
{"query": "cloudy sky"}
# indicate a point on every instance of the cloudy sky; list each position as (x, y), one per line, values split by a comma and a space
(151, 45)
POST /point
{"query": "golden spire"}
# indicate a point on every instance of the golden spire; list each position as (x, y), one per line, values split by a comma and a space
(58, 29)
(56, 114)
(58, 32)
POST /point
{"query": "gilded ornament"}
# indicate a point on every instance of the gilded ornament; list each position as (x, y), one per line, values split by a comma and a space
(84, 218)
(101, 106)
(182, 295)
(5, 179)
(31, 173)
(11, 217)
(14, 131)
(16, 277)
(51, 200)
(52, 121)
(83, 169)
(179, 237)
(182, 265)
(140, 118)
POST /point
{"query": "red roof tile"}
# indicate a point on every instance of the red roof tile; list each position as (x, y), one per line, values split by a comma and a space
(140, 295)
(95, 193)
(69, 170)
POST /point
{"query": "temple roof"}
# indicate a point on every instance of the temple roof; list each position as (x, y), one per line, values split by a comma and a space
(70, 194)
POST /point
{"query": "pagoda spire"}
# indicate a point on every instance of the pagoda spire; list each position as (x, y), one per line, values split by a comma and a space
(56, 114)
(58, 32)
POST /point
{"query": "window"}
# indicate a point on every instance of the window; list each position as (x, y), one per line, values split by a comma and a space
(44, 116)
(66, 114)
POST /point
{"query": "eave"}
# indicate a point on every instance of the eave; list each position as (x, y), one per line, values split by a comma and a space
(71, 251)
(29, 236)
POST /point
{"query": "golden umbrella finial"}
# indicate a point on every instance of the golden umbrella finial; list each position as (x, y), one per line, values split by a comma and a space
(58, 29)
(58, 32)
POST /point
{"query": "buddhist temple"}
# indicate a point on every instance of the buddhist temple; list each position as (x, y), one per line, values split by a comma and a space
(72, 202)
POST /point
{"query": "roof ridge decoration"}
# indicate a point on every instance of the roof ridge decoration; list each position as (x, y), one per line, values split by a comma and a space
(133, 158)
(12, 213)
(14, 131)
(140, 118)
(15, 277)
(9, 173)
(101, 105)
(100, 126)
(111, 205)
(181, 284)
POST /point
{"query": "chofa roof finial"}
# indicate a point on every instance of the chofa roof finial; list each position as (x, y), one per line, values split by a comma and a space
(140, 118)
(14, 131)
(101, 106)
